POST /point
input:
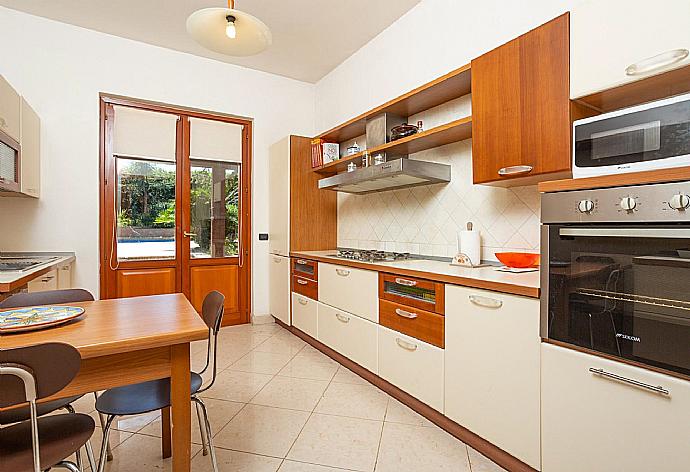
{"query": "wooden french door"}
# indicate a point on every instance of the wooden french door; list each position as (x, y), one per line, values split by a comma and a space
(175, 204)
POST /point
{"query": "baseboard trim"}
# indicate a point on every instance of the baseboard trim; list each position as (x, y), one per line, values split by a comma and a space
(496, 454)
(263, 319)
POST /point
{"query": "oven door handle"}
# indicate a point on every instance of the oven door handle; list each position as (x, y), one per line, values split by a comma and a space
(675, 233)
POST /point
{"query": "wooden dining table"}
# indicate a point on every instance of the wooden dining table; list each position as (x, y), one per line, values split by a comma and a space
(128, 340)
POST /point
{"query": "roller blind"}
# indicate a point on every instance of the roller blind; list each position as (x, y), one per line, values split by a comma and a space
(143, 133)
(215, 140)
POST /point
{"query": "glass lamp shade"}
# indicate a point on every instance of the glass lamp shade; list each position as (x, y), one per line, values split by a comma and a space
(208, 28)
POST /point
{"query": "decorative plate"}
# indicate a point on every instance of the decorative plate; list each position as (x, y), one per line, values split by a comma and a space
(37, 317)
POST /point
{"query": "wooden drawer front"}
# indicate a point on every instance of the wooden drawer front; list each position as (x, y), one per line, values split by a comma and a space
(419, 293)
(351, 290)
(412, 365)
(48, 281)
(414, 322)
(350, 335)
(305, 268)
(304, 314)
(306, 287)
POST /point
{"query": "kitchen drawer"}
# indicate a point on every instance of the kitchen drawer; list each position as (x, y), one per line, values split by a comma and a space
(351, 290)
(412, 365)
(306, 287)
(48, 281)
(414, 322)
(305, 268)
(350, 335)
(410, 291)
(304, 314)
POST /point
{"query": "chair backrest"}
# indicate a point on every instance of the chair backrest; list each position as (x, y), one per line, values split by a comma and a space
(52, 366)
(49, 297)
(212, 313)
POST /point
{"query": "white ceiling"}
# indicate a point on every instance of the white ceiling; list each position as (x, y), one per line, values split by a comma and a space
(310, 37)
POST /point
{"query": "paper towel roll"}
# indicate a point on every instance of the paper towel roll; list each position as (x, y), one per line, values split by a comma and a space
(469, 243)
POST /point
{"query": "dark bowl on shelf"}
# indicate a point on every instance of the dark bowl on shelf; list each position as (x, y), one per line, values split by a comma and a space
(402, 131)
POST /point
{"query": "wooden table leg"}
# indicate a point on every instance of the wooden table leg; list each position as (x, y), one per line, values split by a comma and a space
(166, 445)
(180, 399)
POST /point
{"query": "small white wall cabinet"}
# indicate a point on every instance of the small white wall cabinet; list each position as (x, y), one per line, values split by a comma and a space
(279, 288)
(48, 281)
(412, 365)
(353, 290)
(64, 276)
(492, 368)
(30, 161)
(598, 424)
(606, 37)
(10, 110)
(304, 314)
(348, 334)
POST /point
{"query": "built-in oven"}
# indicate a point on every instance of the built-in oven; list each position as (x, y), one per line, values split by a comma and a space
(616, 273)
(650, 136)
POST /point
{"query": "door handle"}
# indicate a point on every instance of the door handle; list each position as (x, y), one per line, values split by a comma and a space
(514, 170)
(406, 345)
(342, 272)
(485, 302)
(188, 234)
(342, 318)
(637, 383)
(302, 282)
(405, 314)
(405, 282)
(302, 301)
(657, 62)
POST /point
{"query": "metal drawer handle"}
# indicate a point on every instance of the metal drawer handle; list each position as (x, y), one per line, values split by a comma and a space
(405, 314)
(302, 282)
(343, 318)
(407, 283)
(485, 302)
(47, 279)
(657, 62)
(302, 301)
(342, 272)
(513, 170)
(276, 260)
(405, 345)
(637, 383)
(302, 262)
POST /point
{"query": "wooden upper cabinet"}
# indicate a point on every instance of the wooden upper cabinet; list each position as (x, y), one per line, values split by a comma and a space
(521, 108)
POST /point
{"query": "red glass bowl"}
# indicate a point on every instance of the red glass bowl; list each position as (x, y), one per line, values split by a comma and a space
(519, 260)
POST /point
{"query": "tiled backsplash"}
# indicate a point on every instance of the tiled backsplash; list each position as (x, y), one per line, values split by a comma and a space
(425, 220)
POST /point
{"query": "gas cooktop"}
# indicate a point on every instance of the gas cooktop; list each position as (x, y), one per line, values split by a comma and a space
(22, 264)
(371, 255)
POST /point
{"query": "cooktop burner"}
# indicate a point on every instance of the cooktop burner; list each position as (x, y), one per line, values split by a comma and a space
(371, 255)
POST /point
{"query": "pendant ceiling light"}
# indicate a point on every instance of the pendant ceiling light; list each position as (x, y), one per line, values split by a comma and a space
(229, 31)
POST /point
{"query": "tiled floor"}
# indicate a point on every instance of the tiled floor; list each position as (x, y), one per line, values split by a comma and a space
(281, 405)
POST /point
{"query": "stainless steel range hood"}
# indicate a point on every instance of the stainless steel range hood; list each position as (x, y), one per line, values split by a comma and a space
(399, 173)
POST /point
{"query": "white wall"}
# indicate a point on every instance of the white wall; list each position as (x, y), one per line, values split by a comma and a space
(61, 69)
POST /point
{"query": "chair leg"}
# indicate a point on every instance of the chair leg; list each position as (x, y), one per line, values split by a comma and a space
(68, 465)
(104, 446)
(209, 433)
(101, 417)
(202, 430)
(89, 455)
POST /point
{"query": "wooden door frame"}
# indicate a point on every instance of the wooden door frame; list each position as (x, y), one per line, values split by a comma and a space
(106, 217)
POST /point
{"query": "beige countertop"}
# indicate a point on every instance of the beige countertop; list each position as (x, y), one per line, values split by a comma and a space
(12, 280)
(488, 278)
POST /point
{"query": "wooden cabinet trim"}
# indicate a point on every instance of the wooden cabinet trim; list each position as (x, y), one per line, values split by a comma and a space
(426, 326)
(307, 287)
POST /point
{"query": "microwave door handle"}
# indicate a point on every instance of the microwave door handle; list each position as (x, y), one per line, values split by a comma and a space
(658, 233)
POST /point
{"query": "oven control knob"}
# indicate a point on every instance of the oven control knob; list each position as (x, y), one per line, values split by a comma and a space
(585, 206)
(628, 203)
(679, 202)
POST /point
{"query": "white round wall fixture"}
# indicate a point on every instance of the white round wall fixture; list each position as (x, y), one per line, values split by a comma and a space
(229, 31)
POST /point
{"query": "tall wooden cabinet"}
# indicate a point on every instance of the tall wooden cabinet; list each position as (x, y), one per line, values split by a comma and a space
(521, 108)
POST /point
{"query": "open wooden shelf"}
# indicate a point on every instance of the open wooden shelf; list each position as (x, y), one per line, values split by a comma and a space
(448, 87)
(452, 132)
(674, 174)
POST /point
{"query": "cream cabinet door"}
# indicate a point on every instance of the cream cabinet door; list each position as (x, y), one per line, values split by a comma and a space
(608, 36)
(64, 276)
(10, 106)
(304, 314)
(353, 290)
(350, 335)
(279, 288)
(48, 281)
(492, 368)
(279, 198)
(31, 151)
(594, 423)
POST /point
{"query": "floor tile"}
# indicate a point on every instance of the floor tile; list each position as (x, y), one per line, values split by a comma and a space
(337, 441)
(356, 401)
(399, 413)
(292, 466)
(132, 423)
(308, 368)
(292, 393)
(281, 345)
(261, 362)
(345, 375)
(237, 386)
(116, 438)
(407, 448)
(140, 453)
(220, 413)
(233, 461)
(85, 404)
(316, 355)
(262, 430)
(480, 463)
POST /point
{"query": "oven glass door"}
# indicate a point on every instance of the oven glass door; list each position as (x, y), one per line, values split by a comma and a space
(648, 135)
(622, 290)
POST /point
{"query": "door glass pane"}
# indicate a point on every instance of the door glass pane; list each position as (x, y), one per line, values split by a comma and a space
(145, 205)
(214, 208)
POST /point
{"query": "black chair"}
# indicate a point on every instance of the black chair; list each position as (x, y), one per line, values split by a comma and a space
(26, 375)
(155, 395)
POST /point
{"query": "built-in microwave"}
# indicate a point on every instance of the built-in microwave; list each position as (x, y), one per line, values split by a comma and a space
(9, 163)
(655, 135)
